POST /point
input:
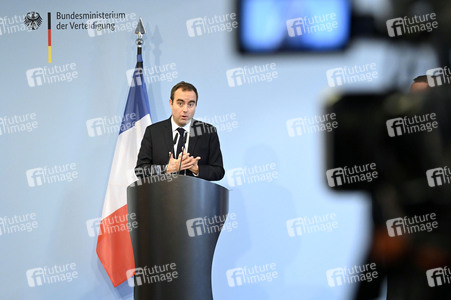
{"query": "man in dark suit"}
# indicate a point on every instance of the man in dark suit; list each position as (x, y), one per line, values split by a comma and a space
(163, 142)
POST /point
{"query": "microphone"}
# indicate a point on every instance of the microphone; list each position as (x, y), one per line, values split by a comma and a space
(183, 149)
(170, 152)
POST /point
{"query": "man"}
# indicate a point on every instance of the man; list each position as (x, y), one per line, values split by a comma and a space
(181, 143)
(420, 84)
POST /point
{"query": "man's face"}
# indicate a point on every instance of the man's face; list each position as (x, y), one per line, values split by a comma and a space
(419, 87)
(183, 106)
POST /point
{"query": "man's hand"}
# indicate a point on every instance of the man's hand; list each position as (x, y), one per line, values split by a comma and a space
(194, 167)
(173, 164)
(188, 163)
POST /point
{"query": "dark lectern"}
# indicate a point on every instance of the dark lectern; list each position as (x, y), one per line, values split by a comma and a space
(179, 219)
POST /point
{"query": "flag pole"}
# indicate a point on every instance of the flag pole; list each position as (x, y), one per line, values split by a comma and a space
(140, 31)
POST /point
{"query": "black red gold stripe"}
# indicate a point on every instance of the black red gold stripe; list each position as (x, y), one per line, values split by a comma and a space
(49, 29)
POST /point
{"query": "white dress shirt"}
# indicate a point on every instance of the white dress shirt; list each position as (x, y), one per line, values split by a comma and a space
(174, 132)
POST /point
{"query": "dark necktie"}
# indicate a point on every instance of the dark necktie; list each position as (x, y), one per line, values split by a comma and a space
(180, 143)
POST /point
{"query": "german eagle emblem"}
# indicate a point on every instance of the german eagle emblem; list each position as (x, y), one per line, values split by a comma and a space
(33, 20)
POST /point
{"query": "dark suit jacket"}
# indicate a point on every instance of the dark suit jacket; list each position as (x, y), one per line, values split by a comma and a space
(157, 142)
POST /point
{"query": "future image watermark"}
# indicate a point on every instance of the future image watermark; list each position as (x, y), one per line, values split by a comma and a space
(308, 125)
(310, 25)
(51, 274)
(98, 27)
(18, 123)
(351, 74)
(438, 76)
(223, 123)
(111, 224)
(201, 128)
(12, 24)
(209, 25)
(248, 175)
(50, 75)
(153, 274)
(350, 175)
(357, 273)
(438, 176)
(308, 225)
(409, 25)
(408, 225)
(48, 175)
(155, 73)
(18, 223)
(158, 175)
(247, 75)
(409, 125)
(250, 275)
(214, 224)
(110, 125)
(438, 276)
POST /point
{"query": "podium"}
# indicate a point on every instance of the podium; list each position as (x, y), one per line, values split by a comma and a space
(179, 219)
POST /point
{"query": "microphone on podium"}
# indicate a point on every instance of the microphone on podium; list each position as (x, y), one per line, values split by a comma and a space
(183, 149)
(173, 143)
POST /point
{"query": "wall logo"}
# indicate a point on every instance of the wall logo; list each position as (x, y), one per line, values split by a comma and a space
(206, 225)
(51, 275)
(247, 175)
(110, 125)
(351, 74)
(111, 224)
(223, 123)
(45, 175)
(95, 21)
(249, 75)
(406, 225)
(401, 26)
(18, 223)
(342, 276)
(249, 275)
(156, 274)
(33, 20)
(438, 276)
(438, 76)
(438, 176)
(349, 175)
(152, 74)
(307, 225)
(49, 75)
(18, 123)
(308, 25)
(307, 125)
(409, 125)
(209, 25)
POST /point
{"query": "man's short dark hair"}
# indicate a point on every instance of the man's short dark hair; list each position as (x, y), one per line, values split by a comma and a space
(185, 86)
(421, 78)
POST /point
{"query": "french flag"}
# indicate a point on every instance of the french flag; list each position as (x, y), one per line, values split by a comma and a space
(114, 247)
